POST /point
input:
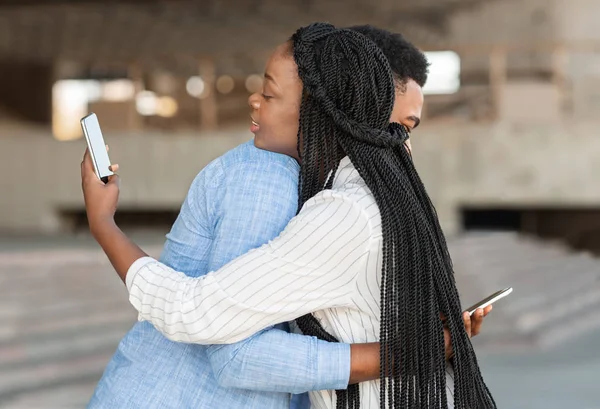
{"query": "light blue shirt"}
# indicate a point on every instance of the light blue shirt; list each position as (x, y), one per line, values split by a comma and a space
(238, 202)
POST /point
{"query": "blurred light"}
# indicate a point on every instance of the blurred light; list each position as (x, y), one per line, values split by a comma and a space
(93, 89)
(118, 90)
(146, 103)
(444, 73)
(225, 84)
(70, 100)
(166, 107)
(195, 86)
(164, 83)
(254, 83)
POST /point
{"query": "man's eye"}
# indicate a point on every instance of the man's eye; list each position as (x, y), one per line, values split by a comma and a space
(266, 97)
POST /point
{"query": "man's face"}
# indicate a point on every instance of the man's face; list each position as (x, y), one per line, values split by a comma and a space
(407, 107)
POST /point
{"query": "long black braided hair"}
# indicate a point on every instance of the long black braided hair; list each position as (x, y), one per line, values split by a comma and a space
(348, 95)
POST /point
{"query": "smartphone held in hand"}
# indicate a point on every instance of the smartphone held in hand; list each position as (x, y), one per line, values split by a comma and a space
(96, 146)
(489, 300)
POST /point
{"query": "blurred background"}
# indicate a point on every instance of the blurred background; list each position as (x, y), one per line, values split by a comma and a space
(508, 149)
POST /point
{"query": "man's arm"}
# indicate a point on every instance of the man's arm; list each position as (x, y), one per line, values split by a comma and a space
(276, 361)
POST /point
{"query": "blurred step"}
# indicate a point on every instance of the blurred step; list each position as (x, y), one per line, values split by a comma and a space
(71, 396)
(554, 288)
(28, 379)
(26, 351)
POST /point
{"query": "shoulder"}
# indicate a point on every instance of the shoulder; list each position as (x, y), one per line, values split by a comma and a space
(247, 162)
(333, 206)
(249, 156)
(255, 180)
(349, 201)
(352, 187)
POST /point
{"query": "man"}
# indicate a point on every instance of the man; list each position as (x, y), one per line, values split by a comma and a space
(238, 202)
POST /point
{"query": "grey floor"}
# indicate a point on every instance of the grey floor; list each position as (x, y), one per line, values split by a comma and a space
(564, 377)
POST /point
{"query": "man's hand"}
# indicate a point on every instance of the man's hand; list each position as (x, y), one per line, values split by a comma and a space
(472, 327)
(100, 199)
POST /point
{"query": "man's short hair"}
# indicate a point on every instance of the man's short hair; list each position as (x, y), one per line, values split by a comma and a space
(406, 61)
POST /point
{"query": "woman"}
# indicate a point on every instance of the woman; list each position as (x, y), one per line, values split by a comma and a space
(365, 254)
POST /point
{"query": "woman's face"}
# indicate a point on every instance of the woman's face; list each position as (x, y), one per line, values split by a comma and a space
(276, 109)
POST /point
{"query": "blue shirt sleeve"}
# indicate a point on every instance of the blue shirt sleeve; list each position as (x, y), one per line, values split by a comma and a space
(189, 242)
(256, 202)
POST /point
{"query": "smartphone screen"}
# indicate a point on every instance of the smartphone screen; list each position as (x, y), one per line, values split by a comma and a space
(96, 145)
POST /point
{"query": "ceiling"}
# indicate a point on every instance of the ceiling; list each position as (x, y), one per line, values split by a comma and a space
(177, 32)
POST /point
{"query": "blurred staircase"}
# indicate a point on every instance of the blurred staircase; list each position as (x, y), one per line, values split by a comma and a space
(555, 292)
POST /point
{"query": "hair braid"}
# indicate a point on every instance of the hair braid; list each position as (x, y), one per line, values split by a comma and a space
(347, 100)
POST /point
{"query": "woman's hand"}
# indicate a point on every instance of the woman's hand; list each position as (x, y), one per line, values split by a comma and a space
(472, 327)
(100, 199)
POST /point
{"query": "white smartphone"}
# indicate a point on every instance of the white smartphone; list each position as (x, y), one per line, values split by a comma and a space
(96, 146)
(489, 300)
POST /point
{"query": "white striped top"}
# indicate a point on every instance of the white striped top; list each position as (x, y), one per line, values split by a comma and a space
(327, 260)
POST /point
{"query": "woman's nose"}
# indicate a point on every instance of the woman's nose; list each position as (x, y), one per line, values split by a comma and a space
(254, 101)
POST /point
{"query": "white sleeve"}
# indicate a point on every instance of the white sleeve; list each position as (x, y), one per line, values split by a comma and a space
(311, 266)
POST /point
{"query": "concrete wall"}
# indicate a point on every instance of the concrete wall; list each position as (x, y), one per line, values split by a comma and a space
(534, 164)
(522, 22)
(575, 19)
(41, 176)
(505, 22)
(577, 22)
(527, 164)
